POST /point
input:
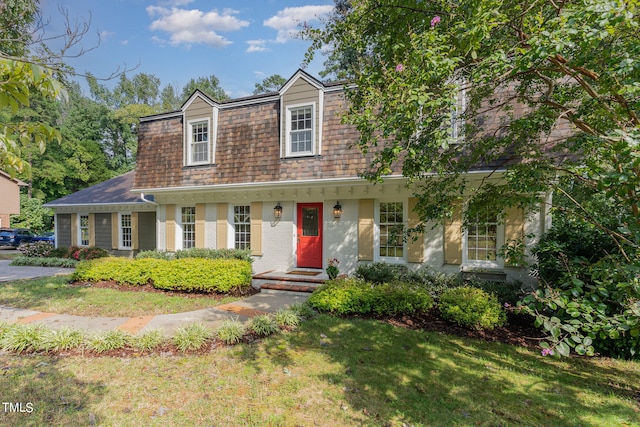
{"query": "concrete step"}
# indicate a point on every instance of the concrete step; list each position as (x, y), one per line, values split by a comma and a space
(298, 281)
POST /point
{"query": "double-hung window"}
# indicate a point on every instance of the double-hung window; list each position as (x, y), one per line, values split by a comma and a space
(198, 149)
(242, 227)
(84, 230)
(188, 221)
(482, 240)
(300, 130)
(391, 223)
(126, 231)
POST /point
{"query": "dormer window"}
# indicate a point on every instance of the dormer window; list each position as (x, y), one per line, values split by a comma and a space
(300, 130)
(198, 146)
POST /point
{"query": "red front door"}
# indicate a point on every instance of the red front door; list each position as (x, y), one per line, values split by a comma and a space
(310, 235)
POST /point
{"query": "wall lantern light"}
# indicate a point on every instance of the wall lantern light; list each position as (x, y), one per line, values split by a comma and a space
(337, 210)
(277, 211)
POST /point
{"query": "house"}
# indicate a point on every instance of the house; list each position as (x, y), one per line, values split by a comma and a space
(10, 196)
(277, 174)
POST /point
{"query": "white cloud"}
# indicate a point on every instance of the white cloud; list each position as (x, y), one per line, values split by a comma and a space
(257, 46)
(289, 20)
(188, 27)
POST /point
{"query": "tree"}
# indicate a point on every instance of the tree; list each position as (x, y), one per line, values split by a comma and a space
(550, 89)
(272, 83)
(209, 85)
(33, 215)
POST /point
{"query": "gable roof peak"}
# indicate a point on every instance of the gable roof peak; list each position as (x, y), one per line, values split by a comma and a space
(199, 94)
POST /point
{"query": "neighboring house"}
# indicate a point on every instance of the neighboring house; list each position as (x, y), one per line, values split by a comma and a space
(107, 215)
(277, 174)
(10, 196)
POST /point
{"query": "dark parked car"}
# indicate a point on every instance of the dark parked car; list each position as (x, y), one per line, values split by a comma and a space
(49, 237)
(15, 236)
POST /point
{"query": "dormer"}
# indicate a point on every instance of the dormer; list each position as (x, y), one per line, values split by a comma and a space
(200, 129)
(301, 103)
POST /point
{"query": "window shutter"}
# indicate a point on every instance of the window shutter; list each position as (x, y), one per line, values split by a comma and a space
(453, 235)
(171, 227)
(200, 223)
(513, 226)
(135, 239)
(222, 225)
(365, 230)
(115, 226)
(416, 247)
(74, 229)
(256, 228)
(92, 229)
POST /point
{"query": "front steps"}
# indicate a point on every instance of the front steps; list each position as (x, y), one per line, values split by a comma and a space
(303, 281)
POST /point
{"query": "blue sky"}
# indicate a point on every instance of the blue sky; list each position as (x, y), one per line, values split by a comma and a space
(240, 42)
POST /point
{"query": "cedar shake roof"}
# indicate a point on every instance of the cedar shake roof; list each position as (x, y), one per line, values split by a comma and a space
(113, 191)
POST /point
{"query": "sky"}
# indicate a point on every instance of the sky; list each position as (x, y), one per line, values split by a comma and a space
(240, 42)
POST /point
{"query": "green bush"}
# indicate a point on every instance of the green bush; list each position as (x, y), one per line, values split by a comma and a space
(109, 340)
(472, 307)
(188, 274)
(230, 331)
(88, 253)
(243, 255)
(434, 282)
(287, 317)
(355, 296)
(155, 254)
(202, 275)
(263, 325)
(36, 249)
(23, 338)
(24, 261)
(148, 341)
(64, 339)
(509, 292)
(380, 272)
(191, 337)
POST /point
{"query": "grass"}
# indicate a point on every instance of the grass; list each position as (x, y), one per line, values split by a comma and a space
(55, 295)
(328, 372)
(9, 254)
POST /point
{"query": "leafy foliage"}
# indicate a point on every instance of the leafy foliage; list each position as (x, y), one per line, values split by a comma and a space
(25, 261)
(191, 337)
(263, 325)
(471, 307)
(33, 215)
(230, 331)
(355, 296)
(109, 341)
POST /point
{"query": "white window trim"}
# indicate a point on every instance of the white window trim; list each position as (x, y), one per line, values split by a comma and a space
(210, 150)
(456, 130)
(376, 231)
(314, 128)
(121, 246)
(475, 263)
(232, 224)
(179, 239)
(79, 242)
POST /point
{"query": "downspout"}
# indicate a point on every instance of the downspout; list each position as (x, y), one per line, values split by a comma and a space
(147, 200)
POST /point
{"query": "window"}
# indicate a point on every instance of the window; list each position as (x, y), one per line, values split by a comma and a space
(242, 227)
(126, 231)
(391, 229)
(198, 150)
(482, 239)
(457, 114)
(188, 220)
(84, 230)
(300, 131)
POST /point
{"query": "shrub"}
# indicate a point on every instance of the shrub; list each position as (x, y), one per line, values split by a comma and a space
(434, 282)
(24, 261)
(191, 337)
(240, 254)
(147, 341)
(109, 340)
(380, 272)
(509, 292)
(64, 339)
(263, 325)
(472, 307)
(120, 270)
(355, 296)
(85, 254)
(202, 275)
(230, 331)
(287, 317)
(303, 310)
(155, 255)
(36, 249)
(23, 338)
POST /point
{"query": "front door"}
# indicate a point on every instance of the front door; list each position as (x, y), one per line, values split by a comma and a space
(310, 235)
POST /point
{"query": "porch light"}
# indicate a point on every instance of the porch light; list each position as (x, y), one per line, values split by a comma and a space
(337, 210)
(277, 211)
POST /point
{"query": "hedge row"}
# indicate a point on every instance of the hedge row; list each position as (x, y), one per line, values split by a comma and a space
(355, 296)
(189, 274)
(244, 255)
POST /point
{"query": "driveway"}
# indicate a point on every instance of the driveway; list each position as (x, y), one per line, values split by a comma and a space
(9, 273)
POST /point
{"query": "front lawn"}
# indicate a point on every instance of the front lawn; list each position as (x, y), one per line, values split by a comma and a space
(329, 372)
(56, 295)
